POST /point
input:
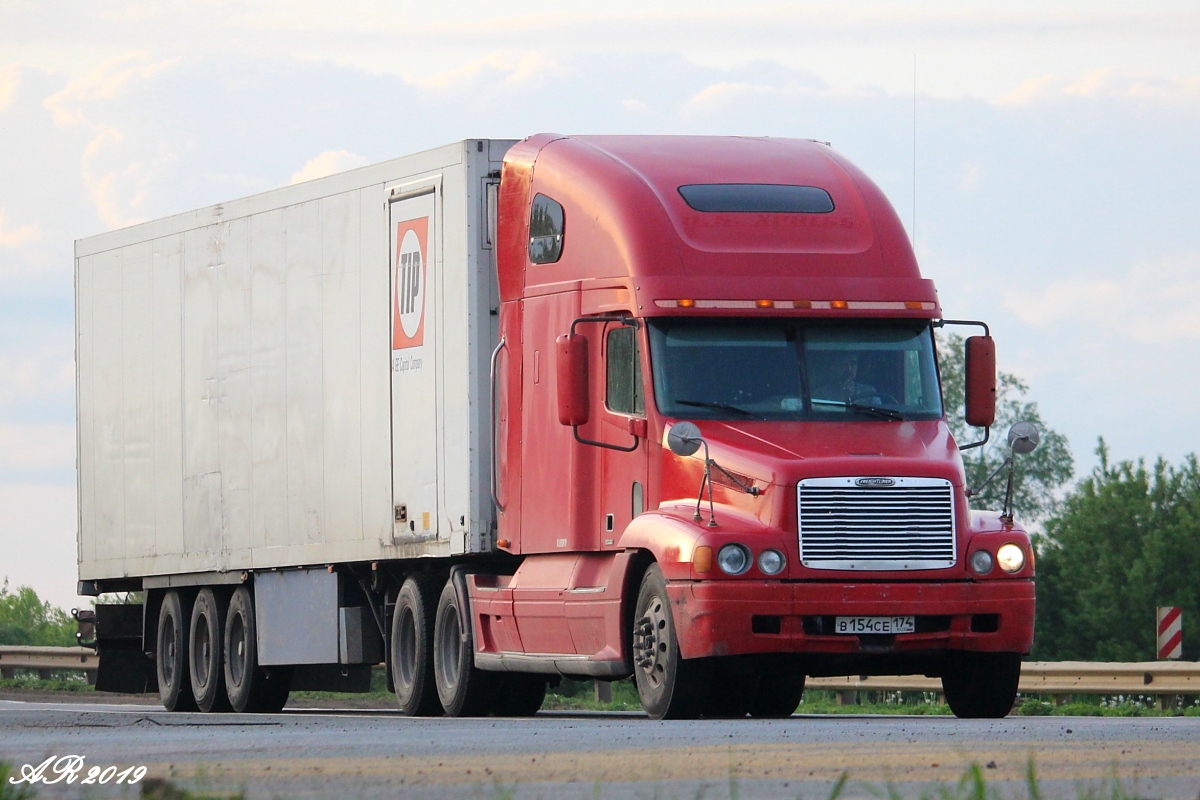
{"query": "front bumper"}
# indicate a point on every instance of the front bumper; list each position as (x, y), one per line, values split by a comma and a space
(742, 617)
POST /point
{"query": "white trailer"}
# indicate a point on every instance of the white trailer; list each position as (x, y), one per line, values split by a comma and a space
(256, 391)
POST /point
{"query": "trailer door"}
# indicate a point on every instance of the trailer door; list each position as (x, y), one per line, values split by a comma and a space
(416, 407)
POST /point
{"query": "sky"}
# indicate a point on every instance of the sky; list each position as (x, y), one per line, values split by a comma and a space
(1044, 156)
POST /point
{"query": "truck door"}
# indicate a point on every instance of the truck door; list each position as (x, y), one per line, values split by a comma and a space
(416, 407)
(622, 478)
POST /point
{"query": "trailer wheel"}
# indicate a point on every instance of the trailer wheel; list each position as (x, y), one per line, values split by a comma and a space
(171, 654)
(669, 686)
(982, 685)
(412, 646)
(521, 695)
(464, 690)
(249, 686)
(206, 645)
(777, 696)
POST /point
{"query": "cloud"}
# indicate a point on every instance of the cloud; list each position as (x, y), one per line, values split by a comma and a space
(15, 237)
(36, 448)
(36, 377)
(328, 163)
(515, 67)
(37, 537)
(1104, 83)
(1154, 304)
(114, 190)
(10, 78)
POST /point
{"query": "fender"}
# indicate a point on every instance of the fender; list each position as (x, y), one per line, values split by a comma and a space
(671, 535)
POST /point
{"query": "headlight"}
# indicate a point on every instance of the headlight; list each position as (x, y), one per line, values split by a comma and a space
(1010, 557)
(733, 559)
(981, 562)
(771, 562)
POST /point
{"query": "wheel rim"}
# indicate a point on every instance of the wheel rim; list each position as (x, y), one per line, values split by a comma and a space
(448, 647)
(407, 660)
(168, 648)
(237, 650)
(651, 641)
(202, 651)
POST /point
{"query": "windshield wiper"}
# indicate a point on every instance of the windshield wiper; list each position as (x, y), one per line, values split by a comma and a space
(886, 413)
(719, 407)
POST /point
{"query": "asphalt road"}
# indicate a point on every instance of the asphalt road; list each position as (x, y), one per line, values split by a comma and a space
(376, 754)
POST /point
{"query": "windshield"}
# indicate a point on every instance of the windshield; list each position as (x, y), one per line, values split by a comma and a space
(790, 369)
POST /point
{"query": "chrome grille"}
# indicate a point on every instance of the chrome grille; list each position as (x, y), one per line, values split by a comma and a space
(845, 525)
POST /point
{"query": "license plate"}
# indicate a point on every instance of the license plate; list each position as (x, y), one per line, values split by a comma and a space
(875, 624)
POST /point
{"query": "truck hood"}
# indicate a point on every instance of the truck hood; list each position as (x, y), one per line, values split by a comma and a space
(786, 452)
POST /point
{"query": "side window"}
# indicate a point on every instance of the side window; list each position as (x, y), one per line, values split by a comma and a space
(624, 378)
(545, 231)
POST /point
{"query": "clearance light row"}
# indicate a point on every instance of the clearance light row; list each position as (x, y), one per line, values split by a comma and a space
(836, 305)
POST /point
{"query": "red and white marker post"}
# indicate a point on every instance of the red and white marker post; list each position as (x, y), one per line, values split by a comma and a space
(1170, 632)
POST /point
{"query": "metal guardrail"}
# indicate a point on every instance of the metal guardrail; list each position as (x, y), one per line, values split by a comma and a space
(46, 660)
(1146, 678)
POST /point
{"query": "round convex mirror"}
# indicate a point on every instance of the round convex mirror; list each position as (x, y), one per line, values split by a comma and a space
(684, 438)
(1023, 437)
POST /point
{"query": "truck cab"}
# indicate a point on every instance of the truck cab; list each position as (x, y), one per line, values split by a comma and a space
(760, 298)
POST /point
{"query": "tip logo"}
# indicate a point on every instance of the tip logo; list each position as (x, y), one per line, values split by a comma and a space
(408, 300)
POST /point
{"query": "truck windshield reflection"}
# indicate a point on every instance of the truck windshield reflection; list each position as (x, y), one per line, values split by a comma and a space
(788, 369)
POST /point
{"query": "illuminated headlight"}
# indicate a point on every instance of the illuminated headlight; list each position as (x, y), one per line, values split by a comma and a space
(981, 562)
(733, 559)
(1010, 557)
(771, 562)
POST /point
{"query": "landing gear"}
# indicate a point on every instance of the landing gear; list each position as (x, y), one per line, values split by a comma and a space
(464, 690)
(205, 668)
(412, 646)
(171, 653)
(669, 686)
(249, 686)
(982, 685)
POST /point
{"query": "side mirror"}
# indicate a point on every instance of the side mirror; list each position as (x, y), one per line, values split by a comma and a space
(684, 438)
(1023, 437)
(981, 381)
(574, 394)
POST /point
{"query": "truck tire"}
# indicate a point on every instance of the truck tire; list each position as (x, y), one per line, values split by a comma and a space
(464, 690)
(206, 643)
(669, 686)
(412, 646)
(982, 685)
(171, 652)
(249, 686)
(778, 696)
(521, 695)
(730, 692)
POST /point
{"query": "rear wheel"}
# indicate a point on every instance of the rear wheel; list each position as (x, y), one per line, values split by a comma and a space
(206, 669)
(249, 686)
(412, 647)
(171, 654)
(777, 696)
(464, 690)
(669, 686)
(982, 685)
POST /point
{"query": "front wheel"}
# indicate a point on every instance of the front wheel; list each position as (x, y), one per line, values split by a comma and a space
(669, 686)
(778, 696)
(982, 685)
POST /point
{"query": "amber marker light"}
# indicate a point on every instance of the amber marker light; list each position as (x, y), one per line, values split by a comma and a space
(702, 558)
(503, 543)
(802, 304)
(842, 304)
(765, 303)
(688, 303)
(914, 305)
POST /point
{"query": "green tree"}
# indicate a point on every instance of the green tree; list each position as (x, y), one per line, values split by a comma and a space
(27, 620)
(1040, 475)
(1127, 541)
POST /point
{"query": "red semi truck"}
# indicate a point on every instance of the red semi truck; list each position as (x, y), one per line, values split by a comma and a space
(505, 412)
